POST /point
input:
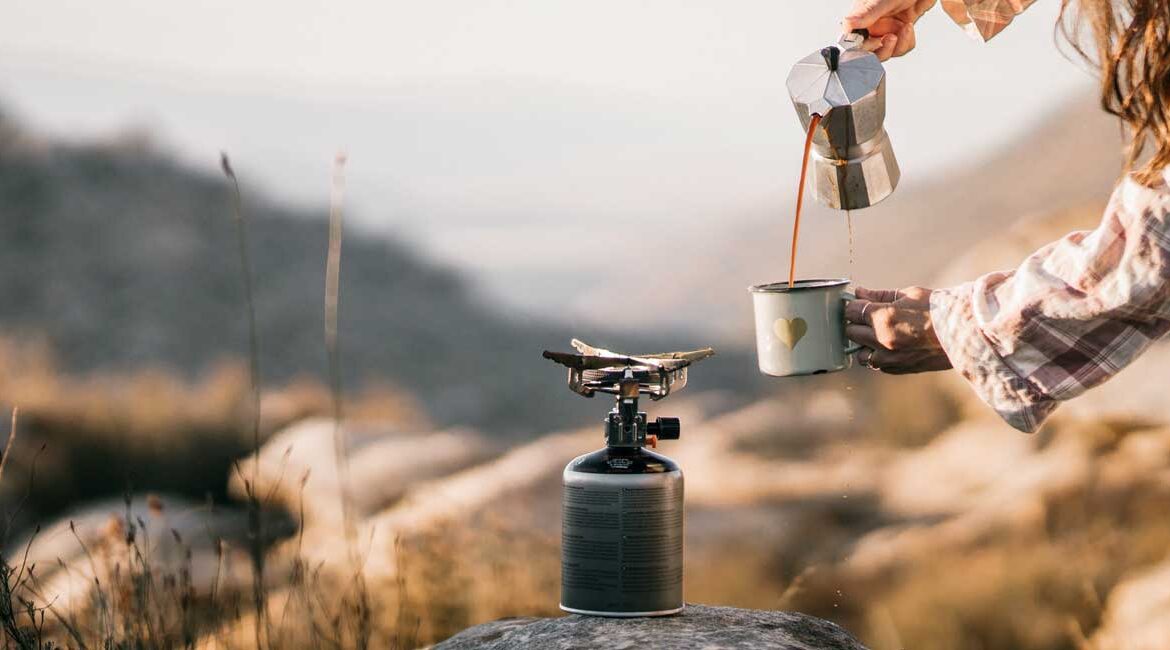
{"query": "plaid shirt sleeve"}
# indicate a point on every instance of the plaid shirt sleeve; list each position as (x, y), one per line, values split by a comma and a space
(1072, 316)
(984, 18)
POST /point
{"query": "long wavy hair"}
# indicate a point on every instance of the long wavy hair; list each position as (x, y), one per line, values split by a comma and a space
(1130, 43)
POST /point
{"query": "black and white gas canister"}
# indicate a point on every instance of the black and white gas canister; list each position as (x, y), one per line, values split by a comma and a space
(622, 529)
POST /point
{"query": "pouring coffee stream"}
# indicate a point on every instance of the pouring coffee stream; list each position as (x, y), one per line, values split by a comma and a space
(812, 127)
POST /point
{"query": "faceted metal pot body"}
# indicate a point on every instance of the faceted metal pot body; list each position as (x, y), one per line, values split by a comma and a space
(622, 534)
(853, 164)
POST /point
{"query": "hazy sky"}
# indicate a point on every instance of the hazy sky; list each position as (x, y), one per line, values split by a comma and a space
(483, 128)
(676, 47)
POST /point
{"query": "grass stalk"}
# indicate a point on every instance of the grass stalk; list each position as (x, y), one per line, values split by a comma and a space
(11, 438)
(333, 353)
(255, 523)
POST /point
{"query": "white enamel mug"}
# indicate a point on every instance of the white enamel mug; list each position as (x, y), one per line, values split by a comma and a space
(801, 331)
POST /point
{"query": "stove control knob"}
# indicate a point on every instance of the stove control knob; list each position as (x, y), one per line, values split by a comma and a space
(665, 428)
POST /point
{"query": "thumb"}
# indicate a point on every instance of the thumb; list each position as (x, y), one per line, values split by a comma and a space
(877, 295)
(867, 12)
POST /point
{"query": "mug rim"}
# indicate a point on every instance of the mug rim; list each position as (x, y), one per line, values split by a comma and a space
(800, 286)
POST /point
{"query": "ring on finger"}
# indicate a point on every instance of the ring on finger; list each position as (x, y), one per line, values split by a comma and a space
(868, 360)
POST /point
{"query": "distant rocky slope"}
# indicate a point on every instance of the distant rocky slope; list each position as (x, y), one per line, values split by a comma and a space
(121, 257)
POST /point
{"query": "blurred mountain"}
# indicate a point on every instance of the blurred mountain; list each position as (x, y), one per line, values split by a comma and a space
(120, 257)
(1064, 159)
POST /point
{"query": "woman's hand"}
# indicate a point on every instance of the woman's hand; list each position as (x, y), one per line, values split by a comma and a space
(890, 24)
(896, 330)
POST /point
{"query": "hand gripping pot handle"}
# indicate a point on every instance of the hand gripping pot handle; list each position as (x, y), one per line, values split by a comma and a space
(850, 346)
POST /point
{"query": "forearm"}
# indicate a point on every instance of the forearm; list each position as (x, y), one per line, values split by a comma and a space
(1073, 315)
(977, 360)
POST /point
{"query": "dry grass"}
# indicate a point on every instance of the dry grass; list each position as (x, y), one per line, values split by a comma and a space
(458, 575)
(450, 578)
(143, 594)
(97, 435)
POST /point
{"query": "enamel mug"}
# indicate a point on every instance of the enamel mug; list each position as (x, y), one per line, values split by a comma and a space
(801, 331)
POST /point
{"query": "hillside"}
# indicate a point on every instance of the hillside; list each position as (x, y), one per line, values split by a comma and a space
(120, 258)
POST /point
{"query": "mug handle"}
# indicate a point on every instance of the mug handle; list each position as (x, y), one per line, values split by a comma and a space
(850, 346)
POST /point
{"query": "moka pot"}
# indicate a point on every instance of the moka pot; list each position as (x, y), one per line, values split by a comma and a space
(852, 161)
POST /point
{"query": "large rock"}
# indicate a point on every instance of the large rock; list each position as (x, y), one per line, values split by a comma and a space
(172, 535)
(298, 470)
(698, 626)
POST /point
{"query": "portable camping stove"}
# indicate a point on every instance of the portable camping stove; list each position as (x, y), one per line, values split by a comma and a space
(622, 506)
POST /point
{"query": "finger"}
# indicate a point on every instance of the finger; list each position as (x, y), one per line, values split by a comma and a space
(921, 7)
(886, 26)
(857, 311)
(882, 360)
(889, 44)
(863, 335)
(898, 370)
(879, 30)
(867, 12)
(876, 295)
(869, 359)
(891, 363)
(906, 40)
(872, 44)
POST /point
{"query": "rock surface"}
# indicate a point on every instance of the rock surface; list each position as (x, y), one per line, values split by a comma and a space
(298, 470)
(698, 626)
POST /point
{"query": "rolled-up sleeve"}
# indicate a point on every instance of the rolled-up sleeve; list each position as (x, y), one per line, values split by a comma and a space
(984, 18)
(1072, 316)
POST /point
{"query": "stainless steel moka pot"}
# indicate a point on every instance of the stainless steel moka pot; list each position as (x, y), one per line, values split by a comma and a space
(622, 506)
(853, 163)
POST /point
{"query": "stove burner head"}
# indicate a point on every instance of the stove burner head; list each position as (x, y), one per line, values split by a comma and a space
(596, 370)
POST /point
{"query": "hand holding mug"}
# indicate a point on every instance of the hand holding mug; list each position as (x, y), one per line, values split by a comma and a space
(896, 330)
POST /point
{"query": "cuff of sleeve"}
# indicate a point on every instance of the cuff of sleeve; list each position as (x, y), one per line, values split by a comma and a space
(999, 386)
(983, 19)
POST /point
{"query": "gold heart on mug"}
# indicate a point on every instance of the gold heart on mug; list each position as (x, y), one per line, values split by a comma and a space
(790, 331)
